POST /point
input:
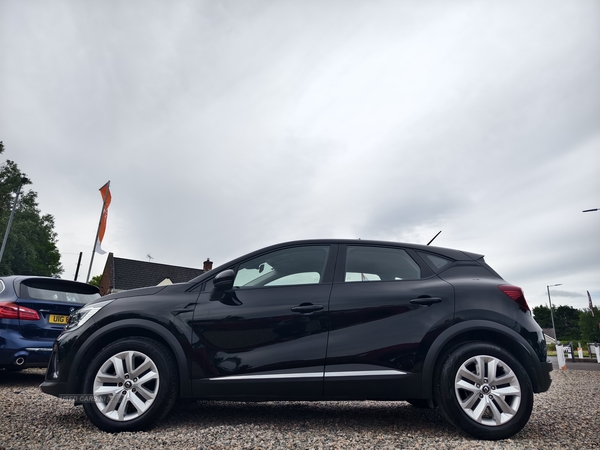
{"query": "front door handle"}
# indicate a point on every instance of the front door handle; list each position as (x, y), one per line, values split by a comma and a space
(426, 301)
(307, 308)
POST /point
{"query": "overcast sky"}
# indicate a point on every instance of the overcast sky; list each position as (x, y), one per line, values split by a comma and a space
(226, 126)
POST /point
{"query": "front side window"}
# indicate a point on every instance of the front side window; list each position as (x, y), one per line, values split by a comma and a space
(380, 264)
(291, 266)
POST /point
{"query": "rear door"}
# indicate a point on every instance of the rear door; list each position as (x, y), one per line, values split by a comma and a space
(267, 338)
(386, 307)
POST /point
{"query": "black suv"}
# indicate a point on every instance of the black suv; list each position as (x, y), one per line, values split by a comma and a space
(312, 320)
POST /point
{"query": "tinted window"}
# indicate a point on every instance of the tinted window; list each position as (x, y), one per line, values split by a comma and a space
(300, 265)
(58, 290)
(380, 264)
(435, 261)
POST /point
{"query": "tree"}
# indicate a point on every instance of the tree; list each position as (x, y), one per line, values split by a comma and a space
(566, 319)
(31, 245)
(95, 281)
(590, 325)
(541, 314)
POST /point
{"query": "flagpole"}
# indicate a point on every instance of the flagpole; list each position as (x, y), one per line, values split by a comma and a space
(98, 231)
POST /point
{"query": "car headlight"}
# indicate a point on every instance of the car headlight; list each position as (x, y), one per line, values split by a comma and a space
(81, 316)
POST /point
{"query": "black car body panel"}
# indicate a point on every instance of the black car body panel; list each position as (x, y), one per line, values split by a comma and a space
(375, 326)
(261, 335)
(313, 320)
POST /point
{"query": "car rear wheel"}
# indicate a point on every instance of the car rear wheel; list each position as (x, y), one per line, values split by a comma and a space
(484, 391)
(134, 384)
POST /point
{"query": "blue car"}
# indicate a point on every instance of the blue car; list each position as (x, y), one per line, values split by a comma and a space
(33, 312)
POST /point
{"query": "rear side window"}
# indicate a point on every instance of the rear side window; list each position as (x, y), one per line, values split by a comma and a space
(380, 264)
(58, 291)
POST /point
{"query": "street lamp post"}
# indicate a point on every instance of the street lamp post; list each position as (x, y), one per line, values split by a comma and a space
(551, 313)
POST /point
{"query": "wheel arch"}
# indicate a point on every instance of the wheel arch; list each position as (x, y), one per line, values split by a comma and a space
(128, 328)
(480, 330)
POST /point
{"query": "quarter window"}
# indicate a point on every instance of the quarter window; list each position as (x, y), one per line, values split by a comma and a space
(436, 261)
(292, 266)
(380, 264)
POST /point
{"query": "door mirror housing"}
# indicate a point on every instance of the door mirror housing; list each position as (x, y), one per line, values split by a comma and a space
(222, 282)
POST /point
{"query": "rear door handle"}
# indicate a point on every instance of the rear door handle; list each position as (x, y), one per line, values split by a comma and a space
(426, 301)
(307, 308)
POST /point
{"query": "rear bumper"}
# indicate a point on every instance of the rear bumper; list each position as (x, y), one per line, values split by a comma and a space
(25, 358)
(544, 380)
(15, 350)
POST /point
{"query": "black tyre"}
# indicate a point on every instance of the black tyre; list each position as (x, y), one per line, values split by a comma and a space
(484, 391)
(134, 383)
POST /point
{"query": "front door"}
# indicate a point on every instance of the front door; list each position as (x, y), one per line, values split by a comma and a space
(266, 338)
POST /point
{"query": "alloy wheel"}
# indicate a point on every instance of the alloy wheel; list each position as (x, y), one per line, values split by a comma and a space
(487, 390)
(126, 385)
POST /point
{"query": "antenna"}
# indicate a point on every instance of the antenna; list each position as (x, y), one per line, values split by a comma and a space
(434, 237)
(149, 256)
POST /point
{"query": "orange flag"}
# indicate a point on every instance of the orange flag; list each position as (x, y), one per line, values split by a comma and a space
(106, 197)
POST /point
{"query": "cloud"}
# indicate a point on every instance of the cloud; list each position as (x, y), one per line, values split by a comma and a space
(225, 127)
(557, 293)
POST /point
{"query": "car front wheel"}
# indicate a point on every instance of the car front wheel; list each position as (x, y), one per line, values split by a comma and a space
(484, 391)
(134, 385)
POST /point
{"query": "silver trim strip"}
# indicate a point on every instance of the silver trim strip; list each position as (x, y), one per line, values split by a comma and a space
(354, 373)
(32, 349)
(270, 377)
(364, 373)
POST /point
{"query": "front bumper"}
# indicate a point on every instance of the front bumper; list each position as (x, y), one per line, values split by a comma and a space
(52, 384)
(56, 388)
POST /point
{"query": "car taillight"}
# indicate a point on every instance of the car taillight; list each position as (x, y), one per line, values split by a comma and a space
(516, 293)
(14, 311)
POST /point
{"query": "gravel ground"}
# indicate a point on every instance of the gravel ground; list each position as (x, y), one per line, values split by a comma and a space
(566, 417)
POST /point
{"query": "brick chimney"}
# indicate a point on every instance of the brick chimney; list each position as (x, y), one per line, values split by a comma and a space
(207, 265)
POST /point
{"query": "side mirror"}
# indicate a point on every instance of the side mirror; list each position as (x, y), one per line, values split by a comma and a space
(222, 282)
